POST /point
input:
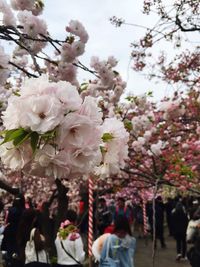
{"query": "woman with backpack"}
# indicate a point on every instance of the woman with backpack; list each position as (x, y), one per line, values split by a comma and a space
(116, 249)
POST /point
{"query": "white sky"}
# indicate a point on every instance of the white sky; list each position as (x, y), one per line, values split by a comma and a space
(104, 38)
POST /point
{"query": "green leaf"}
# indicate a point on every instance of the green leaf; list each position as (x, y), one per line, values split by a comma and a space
(16, 93)
(21, 138)
(128, 125)
(107, 137)
(116, 73)
(150, 93)
(2, 133)
(49, 135)
(131, 99)
(12, 134)
(103, 149)
(84, 86)
(39, 4)
(128, 98)
(34, 140)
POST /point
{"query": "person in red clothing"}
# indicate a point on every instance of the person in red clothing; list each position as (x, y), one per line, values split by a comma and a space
(81, 207)
(109, 229)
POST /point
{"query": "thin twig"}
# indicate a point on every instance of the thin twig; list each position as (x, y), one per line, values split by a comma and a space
(154, 223)
(23, 70)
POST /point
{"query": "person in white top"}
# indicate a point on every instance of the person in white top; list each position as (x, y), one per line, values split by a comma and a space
(69, 246)
(193, 227)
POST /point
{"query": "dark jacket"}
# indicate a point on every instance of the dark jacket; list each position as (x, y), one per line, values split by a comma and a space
(179, 221)
(194, 257)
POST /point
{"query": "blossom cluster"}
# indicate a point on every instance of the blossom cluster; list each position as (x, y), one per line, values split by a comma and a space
(109, 84)
(172, 109)
(54, 117)
(114, 148)
(51, 131)
(4, 66)
(35, 6)
(165, 140)
(27, 21)
(8, 14)
(67, 59)
(67, 229)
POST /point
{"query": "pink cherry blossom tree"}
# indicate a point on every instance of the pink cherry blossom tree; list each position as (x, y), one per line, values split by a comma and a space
(54, 128)
(178, 27)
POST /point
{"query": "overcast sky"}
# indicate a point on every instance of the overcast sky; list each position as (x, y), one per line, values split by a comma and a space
(105, 39)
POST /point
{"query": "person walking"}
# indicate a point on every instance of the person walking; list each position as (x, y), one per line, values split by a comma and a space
(169, 206)
(194, 253)
(123, 210)
(117, 248)
(159, 220)
(193, 226)
(179, 221)
(103, 215)
(10, 240)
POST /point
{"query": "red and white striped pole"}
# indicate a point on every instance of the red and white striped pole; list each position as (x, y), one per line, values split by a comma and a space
(90, 219)
(145, 224)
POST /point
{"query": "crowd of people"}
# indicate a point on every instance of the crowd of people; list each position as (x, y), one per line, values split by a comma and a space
(182, 216)
(30, 237)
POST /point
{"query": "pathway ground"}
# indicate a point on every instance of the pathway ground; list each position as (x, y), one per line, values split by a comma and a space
(163, 257)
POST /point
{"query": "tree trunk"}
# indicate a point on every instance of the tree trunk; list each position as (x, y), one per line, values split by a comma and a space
(12, 190)
(62, 204)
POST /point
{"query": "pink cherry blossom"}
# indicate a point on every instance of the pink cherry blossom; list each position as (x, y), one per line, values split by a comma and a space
(5, 69)
(40, 113)
(15, 158)
(32, 25)
(64, 92)
(156, 148)
(54, 164)
(11, 116)
(112, 61)
(84, 159)
(8, 15)
(75, 131)
(76, 28)
(115, 150)
(22, 4)
(198, 130)
(90, 109)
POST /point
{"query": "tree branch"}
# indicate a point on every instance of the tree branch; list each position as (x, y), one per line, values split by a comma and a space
(23, 70)
(8, 188)
(179, 24)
